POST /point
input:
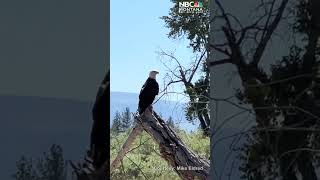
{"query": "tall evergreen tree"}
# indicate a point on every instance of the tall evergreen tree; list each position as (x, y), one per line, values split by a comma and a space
(126, 119)
(49, 167)
(52, 166)
(116, 125)
(25, 170)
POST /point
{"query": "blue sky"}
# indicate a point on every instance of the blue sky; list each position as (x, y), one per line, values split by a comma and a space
(137, 33)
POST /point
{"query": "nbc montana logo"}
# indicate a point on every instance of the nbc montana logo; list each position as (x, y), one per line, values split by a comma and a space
(191, 7)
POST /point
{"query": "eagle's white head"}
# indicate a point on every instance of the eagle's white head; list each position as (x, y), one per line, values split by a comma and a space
(153, 74)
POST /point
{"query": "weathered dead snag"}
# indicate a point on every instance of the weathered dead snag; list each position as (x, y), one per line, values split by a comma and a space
(184, 161)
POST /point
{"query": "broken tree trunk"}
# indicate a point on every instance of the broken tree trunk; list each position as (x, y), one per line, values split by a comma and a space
(184, 161)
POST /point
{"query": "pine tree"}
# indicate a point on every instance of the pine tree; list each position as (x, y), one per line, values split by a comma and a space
(52, 166)
(25, 170)
(116, 125)
(126, 119)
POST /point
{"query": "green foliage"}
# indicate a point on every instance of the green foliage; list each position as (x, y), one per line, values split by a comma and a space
(126, 119)
(257, 160)
(25, 170)
(116, 125)
(122, 122)
(303, 17)
(144, 157)
(49, 167)
(194, 26)
(199, 103)
(296, 85)
(196, 141)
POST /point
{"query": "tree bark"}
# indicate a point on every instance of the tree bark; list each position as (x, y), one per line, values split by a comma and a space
(184, 161)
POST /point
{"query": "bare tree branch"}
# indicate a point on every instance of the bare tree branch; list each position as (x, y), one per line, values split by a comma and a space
(196, 67)
(268, 33)
(125, 148)
(219, 62)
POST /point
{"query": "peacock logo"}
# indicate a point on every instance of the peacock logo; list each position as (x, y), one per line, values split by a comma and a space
(198, 4)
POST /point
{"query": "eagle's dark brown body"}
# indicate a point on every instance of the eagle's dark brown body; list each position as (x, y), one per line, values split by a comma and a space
(147, 94)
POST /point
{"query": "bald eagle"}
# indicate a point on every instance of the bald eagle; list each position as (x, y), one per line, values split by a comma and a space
(148, 92)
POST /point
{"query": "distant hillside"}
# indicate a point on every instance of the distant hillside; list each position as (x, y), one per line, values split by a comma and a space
(121, 100)
(29, 125)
